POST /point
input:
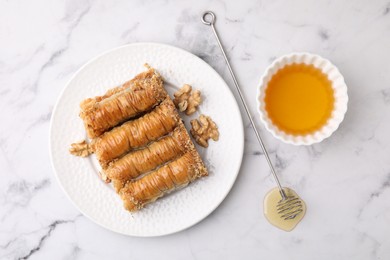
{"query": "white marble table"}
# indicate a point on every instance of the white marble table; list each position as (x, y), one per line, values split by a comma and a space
(345, 180)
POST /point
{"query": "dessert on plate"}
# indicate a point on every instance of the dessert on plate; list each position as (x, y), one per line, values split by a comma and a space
(139, 140)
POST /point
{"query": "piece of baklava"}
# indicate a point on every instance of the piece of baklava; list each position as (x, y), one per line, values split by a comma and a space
(174, 175)
(119, 104)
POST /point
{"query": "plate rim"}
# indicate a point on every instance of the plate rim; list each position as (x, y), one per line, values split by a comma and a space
(93, 59)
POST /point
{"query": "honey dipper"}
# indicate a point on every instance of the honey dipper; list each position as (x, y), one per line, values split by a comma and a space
(290, 207)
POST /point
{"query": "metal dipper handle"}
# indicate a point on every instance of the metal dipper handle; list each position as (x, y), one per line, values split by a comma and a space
(208, 18)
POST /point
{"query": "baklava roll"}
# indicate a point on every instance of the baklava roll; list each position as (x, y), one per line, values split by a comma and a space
(131, 99)
(174, 175)
(136, 133)
(136, 163)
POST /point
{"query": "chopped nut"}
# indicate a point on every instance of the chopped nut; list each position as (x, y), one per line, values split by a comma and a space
(183, 105)
(104, 177)
(80, 149)
(187, 100)
(203, 129)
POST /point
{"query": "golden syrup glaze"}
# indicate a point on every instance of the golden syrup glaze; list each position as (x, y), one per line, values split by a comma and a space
(299, 99)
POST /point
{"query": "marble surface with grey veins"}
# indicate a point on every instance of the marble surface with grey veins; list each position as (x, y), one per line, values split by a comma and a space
(345, 180)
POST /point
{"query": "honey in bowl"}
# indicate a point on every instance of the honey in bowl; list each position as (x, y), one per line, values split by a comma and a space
(299, 99)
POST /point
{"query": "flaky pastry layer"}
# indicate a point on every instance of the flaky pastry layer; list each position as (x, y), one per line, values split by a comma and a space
(136, 133)
(119, 104)
(136, 163)
(174, 175)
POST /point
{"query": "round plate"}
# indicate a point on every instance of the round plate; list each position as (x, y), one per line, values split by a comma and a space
(180, 209)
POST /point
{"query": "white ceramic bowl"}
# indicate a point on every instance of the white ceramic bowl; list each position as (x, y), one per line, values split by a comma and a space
(339, 90)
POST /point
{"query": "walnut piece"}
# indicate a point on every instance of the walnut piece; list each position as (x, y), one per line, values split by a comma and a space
(80, 149)
(203, 129)
(104, 177)
(187, 100)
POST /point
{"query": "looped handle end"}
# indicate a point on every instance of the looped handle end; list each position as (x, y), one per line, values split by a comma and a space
(208, 18)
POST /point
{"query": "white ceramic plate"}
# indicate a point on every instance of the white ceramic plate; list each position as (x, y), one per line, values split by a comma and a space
(179, 210)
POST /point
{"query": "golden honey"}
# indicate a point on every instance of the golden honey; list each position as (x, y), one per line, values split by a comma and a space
(271, 202)
(299, 99)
